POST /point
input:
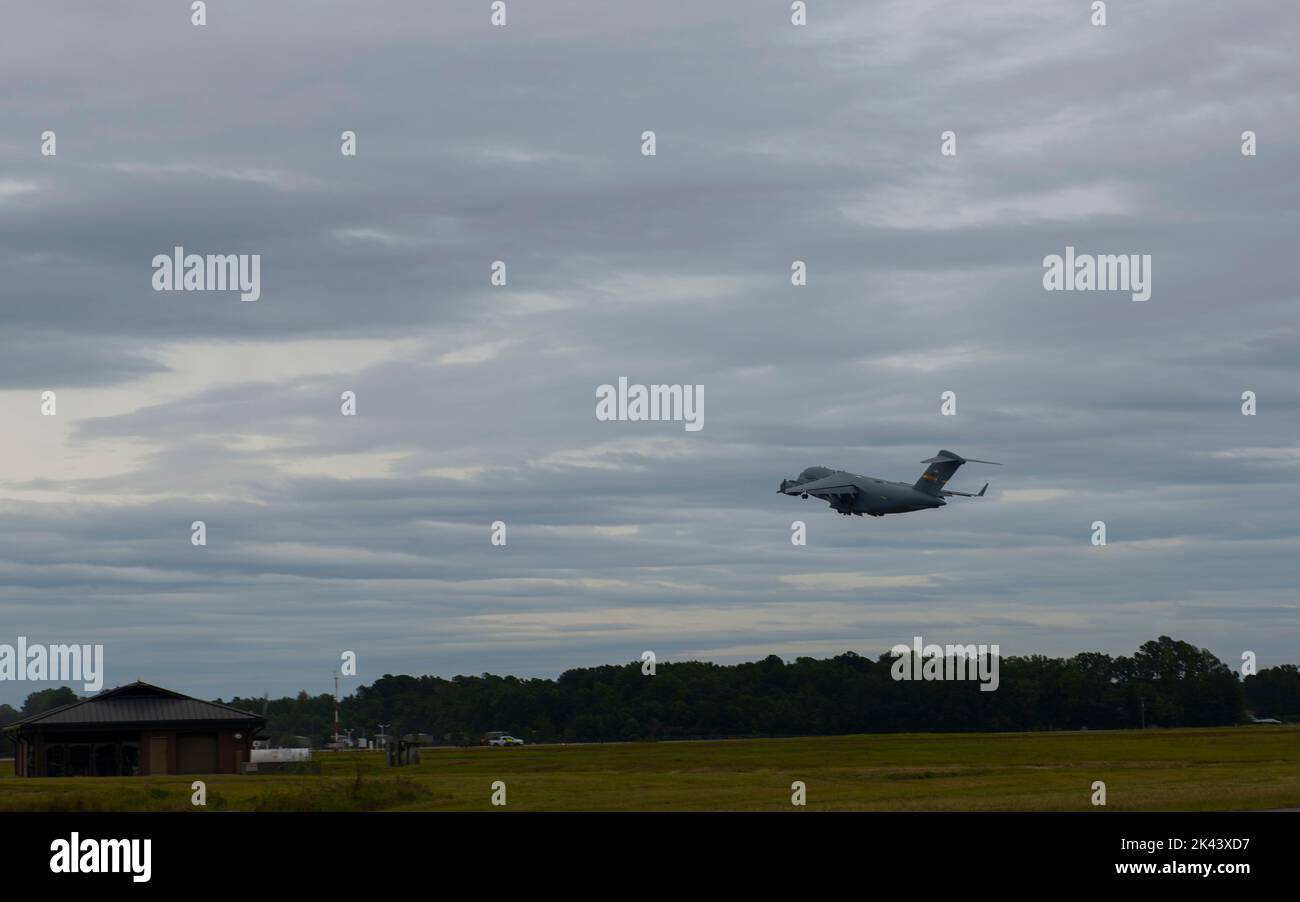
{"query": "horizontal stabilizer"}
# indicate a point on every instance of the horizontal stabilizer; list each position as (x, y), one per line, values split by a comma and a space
(957, 458)
(979, 494)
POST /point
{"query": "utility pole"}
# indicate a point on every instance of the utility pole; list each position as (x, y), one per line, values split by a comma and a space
(336, 710)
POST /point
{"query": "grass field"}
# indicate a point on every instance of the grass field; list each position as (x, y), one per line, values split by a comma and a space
(1154, 770)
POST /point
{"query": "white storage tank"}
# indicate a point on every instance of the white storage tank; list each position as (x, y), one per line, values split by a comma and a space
(258, 756)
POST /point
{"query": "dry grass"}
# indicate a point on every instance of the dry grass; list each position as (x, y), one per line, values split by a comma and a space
(1155, 770)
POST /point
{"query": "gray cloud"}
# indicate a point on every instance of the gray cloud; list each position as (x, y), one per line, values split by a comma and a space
(476, 403)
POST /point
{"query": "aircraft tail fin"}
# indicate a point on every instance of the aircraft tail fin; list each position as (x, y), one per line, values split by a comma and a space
(936, 476)
(941, 468)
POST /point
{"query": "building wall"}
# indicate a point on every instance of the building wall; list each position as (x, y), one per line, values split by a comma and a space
(230, 752)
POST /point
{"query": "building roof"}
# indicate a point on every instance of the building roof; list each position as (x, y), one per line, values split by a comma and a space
(138, 703)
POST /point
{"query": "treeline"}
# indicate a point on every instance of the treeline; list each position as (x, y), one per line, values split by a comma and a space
(1166, 683)
(37, 703)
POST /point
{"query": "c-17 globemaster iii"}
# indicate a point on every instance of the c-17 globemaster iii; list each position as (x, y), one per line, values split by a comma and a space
(849, 493)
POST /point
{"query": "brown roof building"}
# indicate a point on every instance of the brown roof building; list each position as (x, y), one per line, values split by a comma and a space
(133, 730)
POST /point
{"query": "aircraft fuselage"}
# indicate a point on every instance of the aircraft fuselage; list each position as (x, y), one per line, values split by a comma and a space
(878, 497)
(850, 493)
(874, 497)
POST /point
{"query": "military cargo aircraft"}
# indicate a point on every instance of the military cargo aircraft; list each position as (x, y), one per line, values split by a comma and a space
(850, 494)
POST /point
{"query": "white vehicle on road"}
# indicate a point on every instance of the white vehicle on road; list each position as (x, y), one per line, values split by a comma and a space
(505, 739)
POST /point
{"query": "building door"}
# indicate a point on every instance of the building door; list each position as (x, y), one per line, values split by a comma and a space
(158, 755)
(196, 754)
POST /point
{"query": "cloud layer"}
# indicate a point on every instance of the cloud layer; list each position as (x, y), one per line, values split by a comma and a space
(475, 403)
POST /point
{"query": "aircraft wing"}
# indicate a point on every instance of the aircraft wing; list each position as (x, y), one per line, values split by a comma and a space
(830, 485)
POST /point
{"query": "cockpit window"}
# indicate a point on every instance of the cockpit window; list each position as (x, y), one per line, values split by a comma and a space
(812, 473)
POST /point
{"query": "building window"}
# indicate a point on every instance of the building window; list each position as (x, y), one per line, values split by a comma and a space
(105, 757)
(56, 760)
(130, 759)
(79, 760)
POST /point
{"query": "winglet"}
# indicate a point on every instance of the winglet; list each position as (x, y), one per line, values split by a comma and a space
(981, 494)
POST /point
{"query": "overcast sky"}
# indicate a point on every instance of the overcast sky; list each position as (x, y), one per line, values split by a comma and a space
(476, 403)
